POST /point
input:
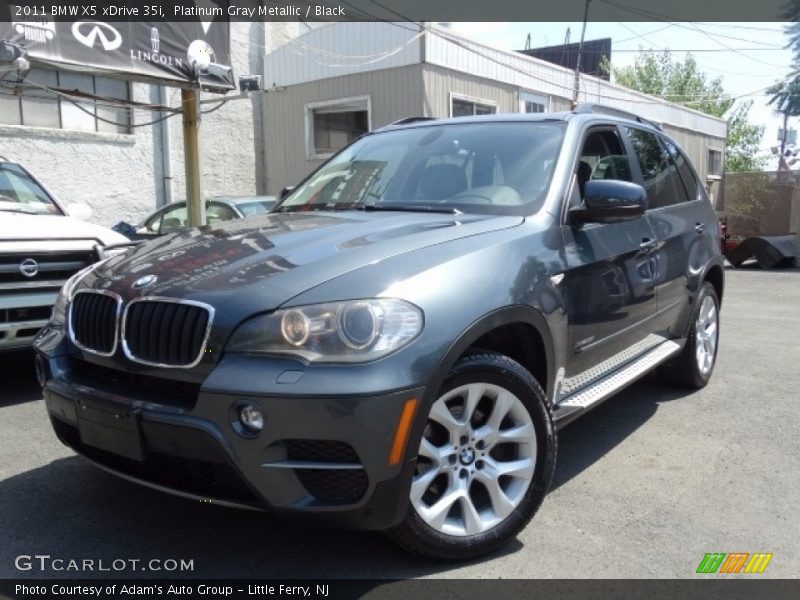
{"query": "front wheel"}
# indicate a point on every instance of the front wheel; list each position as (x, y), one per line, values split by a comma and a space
(485, 462)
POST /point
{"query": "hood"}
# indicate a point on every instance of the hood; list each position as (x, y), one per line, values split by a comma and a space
(20, 226)
(274, 257)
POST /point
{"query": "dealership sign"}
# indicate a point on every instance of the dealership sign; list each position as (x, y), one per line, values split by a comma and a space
(176, 52)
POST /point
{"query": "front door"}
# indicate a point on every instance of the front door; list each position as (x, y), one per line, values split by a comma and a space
(609, 279)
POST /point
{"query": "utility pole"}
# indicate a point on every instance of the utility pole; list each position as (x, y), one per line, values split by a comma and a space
(578, 61)
(195, 205)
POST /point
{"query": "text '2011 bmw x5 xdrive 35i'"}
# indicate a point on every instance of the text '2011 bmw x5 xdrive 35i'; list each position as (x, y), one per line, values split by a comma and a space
(395, 346)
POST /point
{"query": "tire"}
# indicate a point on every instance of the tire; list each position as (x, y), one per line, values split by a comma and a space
(479, 481)
(695, 364)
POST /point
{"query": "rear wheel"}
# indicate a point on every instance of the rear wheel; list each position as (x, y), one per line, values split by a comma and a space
(695, 364)
(485, 461)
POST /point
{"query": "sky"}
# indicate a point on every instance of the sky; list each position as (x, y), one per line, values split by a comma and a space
(748, 57)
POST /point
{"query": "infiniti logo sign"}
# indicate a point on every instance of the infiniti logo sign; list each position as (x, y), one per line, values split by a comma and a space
(89, 32)
(29, 267)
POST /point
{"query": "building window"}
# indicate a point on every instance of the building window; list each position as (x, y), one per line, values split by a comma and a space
(714, 163)
(532, 103)
(332, 125)
(38, 107)
(468, 107)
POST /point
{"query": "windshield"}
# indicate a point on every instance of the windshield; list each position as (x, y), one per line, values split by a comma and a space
(20, 193)
(481, 167)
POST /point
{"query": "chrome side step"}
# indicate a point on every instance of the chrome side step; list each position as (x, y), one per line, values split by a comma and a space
(613, 382)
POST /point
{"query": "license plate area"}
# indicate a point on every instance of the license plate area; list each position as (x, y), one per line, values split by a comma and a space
(111, 427)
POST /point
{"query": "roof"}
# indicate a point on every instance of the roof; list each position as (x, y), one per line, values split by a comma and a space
(346, 48)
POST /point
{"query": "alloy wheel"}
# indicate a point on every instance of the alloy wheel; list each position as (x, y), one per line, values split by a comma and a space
(706, 333)
(476, 460)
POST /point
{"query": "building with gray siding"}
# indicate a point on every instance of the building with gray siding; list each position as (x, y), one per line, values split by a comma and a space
(338, 80)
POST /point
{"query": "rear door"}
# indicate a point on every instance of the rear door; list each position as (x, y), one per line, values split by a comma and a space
(678, 212)
(610, 289)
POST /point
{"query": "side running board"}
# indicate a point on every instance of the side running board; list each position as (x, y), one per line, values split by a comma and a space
(598, 391)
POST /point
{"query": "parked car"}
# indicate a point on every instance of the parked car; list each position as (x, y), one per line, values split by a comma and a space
(173, 217)
(41, 246)
(396, 345)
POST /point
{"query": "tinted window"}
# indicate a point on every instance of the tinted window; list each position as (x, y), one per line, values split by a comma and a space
(687, 176)
(602, 157)
(661, 179)
(219, 212)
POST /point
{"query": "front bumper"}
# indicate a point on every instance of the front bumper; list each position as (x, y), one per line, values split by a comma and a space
(323, 457)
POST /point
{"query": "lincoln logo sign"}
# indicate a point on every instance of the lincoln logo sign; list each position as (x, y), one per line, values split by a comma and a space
(89, 32)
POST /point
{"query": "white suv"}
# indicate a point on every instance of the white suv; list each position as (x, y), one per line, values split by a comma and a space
(41, 246)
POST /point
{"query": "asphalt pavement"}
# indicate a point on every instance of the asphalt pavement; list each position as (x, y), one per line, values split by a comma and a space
(645, 485)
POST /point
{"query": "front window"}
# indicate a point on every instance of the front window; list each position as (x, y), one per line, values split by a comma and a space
(493, 168)
(20, 193)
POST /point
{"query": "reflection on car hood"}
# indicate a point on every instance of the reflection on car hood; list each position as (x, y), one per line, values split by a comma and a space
(277, 256)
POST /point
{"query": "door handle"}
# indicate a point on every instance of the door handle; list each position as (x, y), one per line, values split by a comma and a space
(699, 227)
(648, 244)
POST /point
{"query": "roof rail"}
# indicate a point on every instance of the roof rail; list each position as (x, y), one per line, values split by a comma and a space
(411, 120)
(593, 108)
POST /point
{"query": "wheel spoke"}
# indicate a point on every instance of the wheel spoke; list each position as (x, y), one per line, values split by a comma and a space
(442, 415)
(521, 468)
(503, 403)
(428, 450)
(501, 504)
(421, 484)
(436, 514)
(474, 394)
(472, 520)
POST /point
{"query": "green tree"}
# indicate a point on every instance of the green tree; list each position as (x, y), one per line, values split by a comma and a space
(785, 99)
(684, 83)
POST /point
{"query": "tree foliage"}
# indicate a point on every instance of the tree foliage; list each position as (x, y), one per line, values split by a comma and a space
(658, 74)
(785, 97)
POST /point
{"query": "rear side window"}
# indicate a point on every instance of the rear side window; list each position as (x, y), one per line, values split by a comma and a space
(661, 180)
(689, 179)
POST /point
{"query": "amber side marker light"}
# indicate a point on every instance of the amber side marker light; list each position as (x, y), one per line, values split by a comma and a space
(403, 429)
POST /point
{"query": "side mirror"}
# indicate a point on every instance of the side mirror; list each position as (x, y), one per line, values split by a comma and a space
(610, 201)
(286, 191)
(79, 210)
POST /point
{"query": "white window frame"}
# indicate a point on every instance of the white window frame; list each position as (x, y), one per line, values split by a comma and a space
(709, 174)
(311, 152)
(525, 96)
(474, 100)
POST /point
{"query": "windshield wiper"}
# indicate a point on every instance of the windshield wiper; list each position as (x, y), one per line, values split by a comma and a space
(409, 208)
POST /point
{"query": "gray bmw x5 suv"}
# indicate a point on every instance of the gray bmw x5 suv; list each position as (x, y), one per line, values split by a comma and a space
(396, 345)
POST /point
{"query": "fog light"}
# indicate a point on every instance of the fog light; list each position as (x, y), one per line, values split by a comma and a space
(251, 418)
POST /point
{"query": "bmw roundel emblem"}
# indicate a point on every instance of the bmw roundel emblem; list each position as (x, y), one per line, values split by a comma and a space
(143, 282)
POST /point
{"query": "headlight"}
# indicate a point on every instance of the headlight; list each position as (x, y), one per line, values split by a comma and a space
(345, 332)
